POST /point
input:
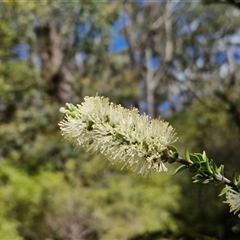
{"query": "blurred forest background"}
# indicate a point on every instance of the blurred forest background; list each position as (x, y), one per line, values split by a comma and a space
(176, 59)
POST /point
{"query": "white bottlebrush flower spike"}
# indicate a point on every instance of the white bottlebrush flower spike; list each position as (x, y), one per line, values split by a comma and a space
(124, 136)
(233, 199)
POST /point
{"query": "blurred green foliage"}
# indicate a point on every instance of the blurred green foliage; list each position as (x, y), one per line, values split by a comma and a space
(208, 126)
(49, 189)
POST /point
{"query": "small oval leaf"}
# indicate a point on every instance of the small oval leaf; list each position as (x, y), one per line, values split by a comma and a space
(224, 190)
(179, 169)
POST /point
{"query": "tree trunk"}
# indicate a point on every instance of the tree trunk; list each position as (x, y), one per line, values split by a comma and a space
(53, 71)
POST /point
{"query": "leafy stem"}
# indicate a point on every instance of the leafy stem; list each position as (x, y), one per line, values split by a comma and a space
(205, 170)
(217, 176)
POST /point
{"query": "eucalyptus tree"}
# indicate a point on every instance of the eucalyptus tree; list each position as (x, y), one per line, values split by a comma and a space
(180, 50)
(192, 55)
(65, 41)
(56, 52)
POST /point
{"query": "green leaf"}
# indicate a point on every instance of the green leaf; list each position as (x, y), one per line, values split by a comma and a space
(194, 167)
(206, 181)
(187, 156)
(234, 178)
(204, 167)
(194, 158)
(172, 154)
(213, 165)
(199, 155)
(198, 178)
(208, 166)
(175, 155)
(214, 168)
(172, 148)
(204, 156)
(171, 160)
(179, 169)
(224, 190)
(220, 170)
